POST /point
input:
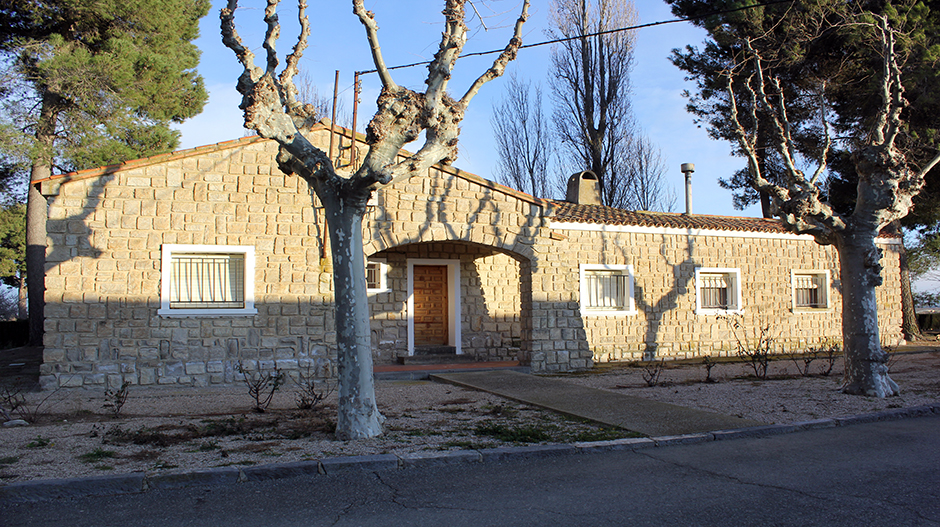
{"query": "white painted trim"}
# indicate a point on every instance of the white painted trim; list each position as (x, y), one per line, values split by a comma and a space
(793, 307)
(453, 301)
(631, 304)
(166, 253)
(639, 229)
(383, 276)
(736, 290)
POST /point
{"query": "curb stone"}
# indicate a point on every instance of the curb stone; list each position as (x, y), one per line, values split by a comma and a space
(44, 490)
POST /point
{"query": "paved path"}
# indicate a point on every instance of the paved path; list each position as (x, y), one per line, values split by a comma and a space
(647, 417)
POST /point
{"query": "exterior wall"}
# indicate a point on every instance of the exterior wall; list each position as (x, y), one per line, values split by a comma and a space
(103, 273)
(666, 324)
(103, 267)
(520, 282)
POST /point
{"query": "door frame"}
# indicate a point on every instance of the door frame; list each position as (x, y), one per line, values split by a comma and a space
(453, 301)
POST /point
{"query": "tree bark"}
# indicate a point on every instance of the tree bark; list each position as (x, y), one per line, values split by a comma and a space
(22, 311)
(37, 212)
(358, 416)
(909, 325)
(866, 370)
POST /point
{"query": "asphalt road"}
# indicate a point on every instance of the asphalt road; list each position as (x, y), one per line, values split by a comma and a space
(885, 473)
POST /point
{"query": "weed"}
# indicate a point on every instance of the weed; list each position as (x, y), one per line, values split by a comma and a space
(261, 386)
(806, 358)
(521, 434)
(311, 391)
(13, 401)
(602, 434)
(829, 352)
(652, 370)
(709, 364)
(114, 399)
(39, 442)
(96, 455)
(209, 446)
(104, 467)
(9, 460)
(163, 465)
(756, 349)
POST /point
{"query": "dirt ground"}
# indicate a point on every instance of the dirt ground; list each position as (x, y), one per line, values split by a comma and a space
(160, 430)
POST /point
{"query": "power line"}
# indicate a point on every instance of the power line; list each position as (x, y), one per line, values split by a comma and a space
(599, 33)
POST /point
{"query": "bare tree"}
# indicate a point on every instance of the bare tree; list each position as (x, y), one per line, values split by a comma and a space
(888, 181)
(523, 140)
(270, 103)
(590, 82)
(650, 190)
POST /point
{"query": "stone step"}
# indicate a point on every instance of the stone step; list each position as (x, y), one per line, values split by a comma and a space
(436, 358)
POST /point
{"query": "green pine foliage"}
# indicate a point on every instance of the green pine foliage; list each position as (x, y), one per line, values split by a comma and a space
(108, 75)
(843, 57)
(13, 244)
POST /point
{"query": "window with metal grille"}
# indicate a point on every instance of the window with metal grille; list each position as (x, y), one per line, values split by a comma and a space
(207, 281)
(811, 289)
(376, 275)
(606, 289)
(714, 290)
(717, 290)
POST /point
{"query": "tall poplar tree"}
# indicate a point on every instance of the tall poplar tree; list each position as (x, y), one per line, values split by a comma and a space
(93, 82)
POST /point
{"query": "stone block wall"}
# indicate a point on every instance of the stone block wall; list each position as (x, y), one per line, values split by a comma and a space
(666, 325)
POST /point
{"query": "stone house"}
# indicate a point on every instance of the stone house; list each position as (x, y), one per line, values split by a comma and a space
(177, 268)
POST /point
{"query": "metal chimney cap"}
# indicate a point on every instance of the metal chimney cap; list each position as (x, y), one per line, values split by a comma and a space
(687, 168)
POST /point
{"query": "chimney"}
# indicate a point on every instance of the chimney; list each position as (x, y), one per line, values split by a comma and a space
(584, 189)
(687, 169)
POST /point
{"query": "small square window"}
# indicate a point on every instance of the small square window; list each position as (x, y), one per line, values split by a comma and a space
(376, 275)
(810, 289)
(207, 280)
(607, 289)
(717, 290)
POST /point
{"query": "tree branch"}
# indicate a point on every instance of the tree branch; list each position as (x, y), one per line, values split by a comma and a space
(367, 18)
(499, 65)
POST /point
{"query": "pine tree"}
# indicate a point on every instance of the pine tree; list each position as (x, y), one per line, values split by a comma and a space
(92, 82)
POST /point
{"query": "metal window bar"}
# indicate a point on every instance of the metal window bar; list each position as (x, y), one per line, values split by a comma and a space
(374, 275)
(606, 290)
(215, 281)
(807, 290)
(715, 291)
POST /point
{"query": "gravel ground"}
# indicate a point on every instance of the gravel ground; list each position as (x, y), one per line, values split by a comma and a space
(163, 430)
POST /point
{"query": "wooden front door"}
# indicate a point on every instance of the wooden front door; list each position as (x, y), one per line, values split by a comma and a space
(430, 305)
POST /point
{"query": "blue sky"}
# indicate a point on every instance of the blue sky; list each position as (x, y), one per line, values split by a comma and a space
(411, 34)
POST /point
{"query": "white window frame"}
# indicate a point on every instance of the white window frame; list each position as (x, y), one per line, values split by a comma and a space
(734, 275)
(626, 270)
(383, 276)
(168, 250)
(826, 281)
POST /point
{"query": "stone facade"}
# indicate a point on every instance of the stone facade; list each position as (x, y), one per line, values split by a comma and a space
(515, 261)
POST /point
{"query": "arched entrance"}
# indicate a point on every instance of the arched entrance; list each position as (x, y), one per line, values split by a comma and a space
(462, 298)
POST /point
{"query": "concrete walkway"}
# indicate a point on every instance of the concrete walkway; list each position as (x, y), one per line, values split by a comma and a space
(647, 417)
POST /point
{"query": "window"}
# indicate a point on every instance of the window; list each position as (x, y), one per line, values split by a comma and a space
(810, 289)
(717, 290)
(607, 290)
(207, 280)
(376, 275)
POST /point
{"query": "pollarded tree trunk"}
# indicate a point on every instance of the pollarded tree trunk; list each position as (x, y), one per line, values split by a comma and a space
(866, 370)
(358, 416)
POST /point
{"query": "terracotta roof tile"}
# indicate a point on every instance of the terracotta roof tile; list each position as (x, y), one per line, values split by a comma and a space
(599, 214)
(563, 211)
